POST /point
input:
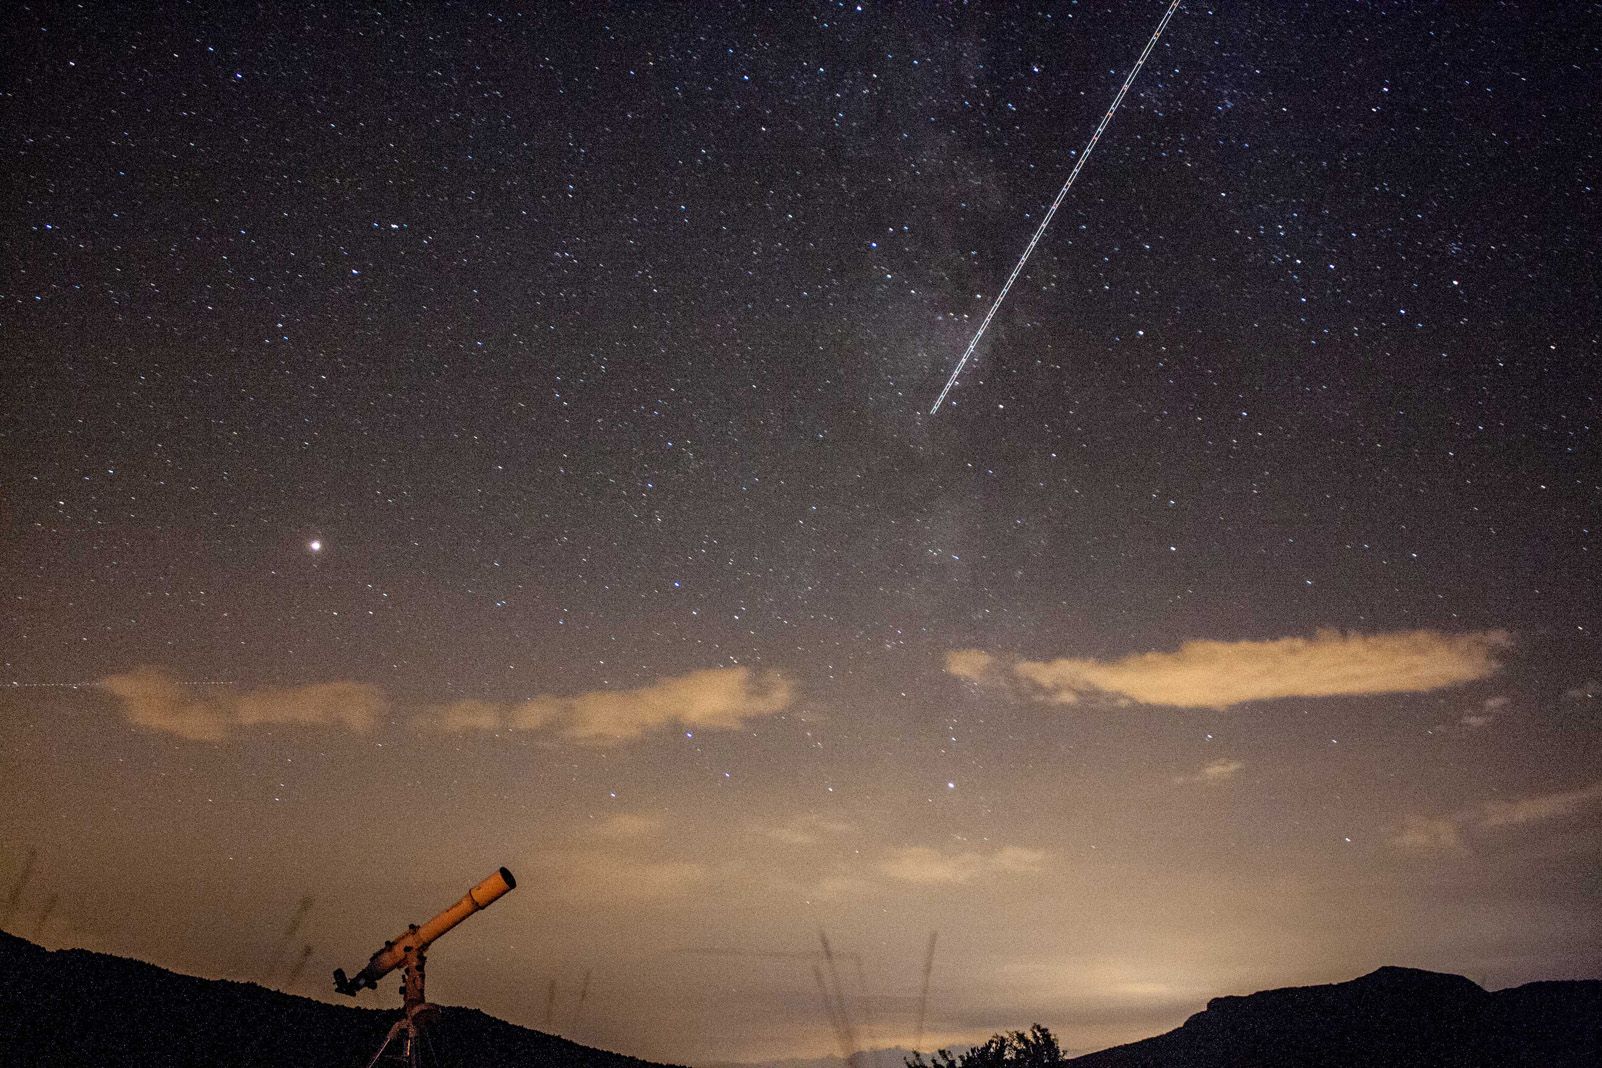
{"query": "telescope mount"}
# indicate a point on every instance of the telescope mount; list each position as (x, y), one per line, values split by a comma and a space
(408, 1030)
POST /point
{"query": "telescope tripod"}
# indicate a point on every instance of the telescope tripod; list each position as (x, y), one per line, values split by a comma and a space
(408, 1030)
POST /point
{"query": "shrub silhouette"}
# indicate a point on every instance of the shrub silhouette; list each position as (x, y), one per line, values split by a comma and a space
(1035, 1048)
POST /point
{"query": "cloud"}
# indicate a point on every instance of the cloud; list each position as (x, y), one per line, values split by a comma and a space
(975, 665)
(1586, 691)
(838, 886)
(624, 826)
(1217, 674)
(627, 858)
(1216, 771)
(354, 705)
(608, 876)
(154, 700)
(808, 830)
(921, 864)
(710, 699)
(657, 879)
(1430, 834)
(1540, 808)
(1447, 833)
(1486, 715)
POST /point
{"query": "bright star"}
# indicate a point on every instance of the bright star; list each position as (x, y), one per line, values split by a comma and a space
(315, 545)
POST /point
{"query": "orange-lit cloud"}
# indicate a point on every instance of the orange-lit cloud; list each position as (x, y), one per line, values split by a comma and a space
(1539, 808)
(626, 858)
(1447, 833)
(975, 665)
(627, 826)
(710, 699)
(154, 700)
(1216, 674)
(1213, 772)
(1430, 834)
(611, 876)
(921, 864)
(808, 830)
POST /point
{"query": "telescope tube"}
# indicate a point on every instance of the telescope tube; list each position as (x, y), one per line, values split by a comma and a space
(481, 896)
(414, 940)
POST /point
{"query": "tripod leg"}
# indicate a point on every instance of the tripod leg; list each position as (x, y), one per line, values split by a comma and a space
(436, 1052)
(403, 1024)
(417, 1038)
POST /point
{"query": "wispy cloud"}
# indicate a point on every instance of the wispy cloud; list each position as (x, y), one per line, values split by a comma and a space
(1540, 808)
(710, 699)
(627, 826)
(1449, 833)
(619, 876)
(1586, 691)
(1218, 674)
(1430, 834)
(808, 830)
(154, 700)
(921, 864)
(628, 857)
(1214, 772)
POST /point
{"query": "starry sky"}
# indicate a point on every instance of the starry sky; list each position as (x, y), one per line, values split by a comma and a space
(433, 440)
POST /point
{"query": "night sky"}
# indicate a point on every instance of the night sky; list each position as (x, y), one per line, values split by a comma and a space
(437, 440)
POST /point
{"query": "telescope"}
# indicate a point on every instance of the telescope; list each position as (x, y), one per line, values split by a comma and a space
(408, 951)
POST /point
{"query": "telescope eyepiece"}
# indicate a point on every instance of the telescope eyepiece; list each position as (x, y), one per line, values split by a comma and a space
(352, 987)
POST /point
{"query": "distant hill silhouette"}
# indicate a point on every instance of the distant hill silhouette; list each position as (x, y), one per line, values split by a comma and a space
(72, 1008)
(76, 1008)
(1391, 1017)
(880, 1057)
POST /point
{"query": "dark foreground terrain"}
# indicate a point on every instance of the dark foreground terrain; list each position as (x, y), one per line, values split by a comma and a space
(73, 1007)
(1391, 1017)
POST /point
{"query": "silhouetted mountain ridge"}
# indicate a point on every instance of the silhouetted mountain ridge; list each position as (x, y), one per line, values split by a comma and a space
(1392, 1016)
(71, 1008)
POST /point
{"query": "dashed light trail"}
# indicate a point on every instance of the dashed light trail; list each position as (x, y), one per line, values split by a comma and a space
(1062, 193)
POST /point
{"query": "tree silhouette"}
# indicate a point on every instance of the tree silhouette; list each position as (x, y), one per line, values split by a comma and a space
(1035, 1048)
